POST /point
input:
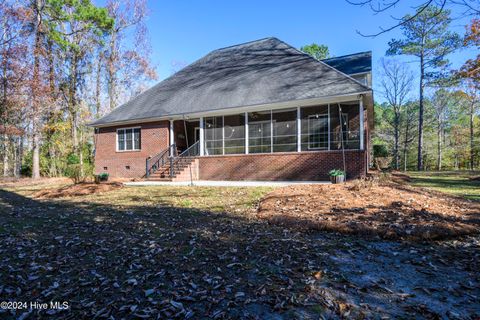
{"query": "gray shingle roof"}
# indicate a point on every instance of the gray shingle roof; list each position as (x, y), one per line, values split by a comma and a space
(259, 72)
(353, 63)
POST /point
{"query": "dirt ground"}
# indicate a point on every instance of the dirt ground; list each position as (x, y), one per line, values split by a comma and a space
(201, 253)
(80, 189)
(387, 210)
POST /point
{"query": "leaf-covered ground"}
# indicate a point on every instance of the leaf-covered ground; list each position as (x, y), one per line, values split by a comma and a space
(373, 208)
(200, 253)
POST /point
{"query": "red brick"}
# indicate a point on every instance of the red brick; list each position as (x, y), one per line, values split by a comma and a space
(154, 139)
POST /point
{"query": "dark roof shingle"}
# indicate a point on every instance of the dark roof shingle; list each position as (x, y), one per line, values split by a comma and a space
(259, 72)
(352, 63)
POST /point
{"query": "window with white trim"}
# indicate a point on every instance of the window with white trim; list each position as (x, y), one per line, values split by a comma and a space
(128, 139)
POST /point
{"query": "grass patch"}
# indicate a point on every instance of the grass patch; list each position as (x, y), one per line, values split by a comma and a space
(457, 183)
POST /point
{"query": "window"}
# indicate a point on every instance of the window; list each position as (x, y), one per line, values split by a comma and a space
(318, 131)
(128, 139)
(259, 132)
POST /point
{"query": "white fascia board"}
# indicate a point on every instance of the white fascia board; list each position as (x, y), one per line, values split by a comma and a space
(237, 110)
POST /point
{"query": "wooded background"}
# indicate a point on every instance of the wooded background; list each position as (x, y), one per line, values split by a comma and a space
(64, 63)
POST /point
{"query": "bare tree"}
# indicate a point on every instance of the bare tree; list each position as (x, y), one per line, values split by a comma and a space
(127, 65)
(441, 101)
(396, 83)
(472, 91)
(469, 7)
(409, 126)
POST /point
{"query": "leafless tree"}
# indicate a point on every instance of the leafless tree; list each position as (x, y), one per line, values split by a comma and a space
(396, 83)
(470, 7)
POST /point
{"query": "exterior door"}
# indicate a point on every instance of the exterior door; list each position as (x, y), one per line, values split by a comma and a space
(197, 134)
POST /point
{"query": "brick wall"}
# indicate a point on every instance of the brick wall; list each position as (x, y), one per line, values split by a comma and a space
(281, 166)
(129, 164)
(277, 166)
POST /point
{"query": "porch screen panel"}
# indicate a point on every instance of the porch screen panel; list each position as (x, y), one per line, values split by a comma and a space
(314, 128)
(345, 127)
(234, 134)
(284, 130)
(213, 135)
(259, 132)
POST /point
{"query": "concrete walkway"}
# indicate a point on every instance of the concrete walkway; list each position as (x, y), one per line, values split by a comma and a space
(206, 183)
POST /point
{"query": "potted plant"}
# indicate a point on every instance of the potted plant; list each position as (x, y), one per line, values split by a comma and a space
(337, 176)
(101, 177)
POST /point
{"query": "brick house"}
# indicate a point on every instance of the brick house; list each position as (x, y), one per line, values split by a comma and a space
(261, 110)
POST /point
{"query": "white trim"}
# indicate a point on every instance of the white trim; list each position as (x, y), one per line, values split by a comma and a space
(223, 135)
(299, 130)
(329, 127)
(171, 133)
(125, 141)
(202, 139)
(361, 123)
(236, 110)
(246, 133)
(360, 73)
(271, 131)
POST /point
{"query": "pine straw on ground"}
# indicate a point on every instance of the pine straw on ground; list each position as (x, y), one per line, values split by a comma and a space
(387, 210)
(75, 190)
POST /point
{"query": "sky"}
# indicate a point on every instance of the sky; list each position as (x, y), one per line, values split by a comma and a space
(184, 31)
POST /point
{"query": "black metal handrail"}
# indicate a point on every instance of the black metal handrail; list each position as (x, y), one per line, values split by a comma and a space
(192, 151)
(171, 157)
(154, 163)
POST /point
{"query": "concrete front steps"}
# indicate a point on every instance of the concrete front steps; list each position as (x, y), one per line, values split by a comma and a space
(185, 169)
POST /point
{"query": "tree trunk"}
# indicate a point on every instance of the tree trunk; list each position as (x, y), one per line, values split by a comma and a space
(51, 118)
(405, 146)
(36, 152)
(6, 168)
(20, 155)
(16, 166)
(472, 153)
(420, 118)
(35, 105)
(396, 140)
(112, 75)
(73, 104)
(439, 147)
(98, 85)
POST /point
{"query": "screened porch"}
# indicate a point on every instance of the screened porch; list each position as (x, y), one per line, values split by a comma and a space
(302, 129)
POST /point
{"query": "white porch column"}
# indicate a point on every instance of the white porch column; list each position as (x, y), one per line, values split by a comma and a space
(246, 132)
(223, 134)
(171, 135)
(328, 126)
(299, 131)
(202, 144)
(362, 124)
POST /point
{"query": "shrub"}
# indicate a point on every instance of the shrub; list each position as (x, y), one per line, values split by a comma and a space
(74, 172)
(78, 173)
(380, 151)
